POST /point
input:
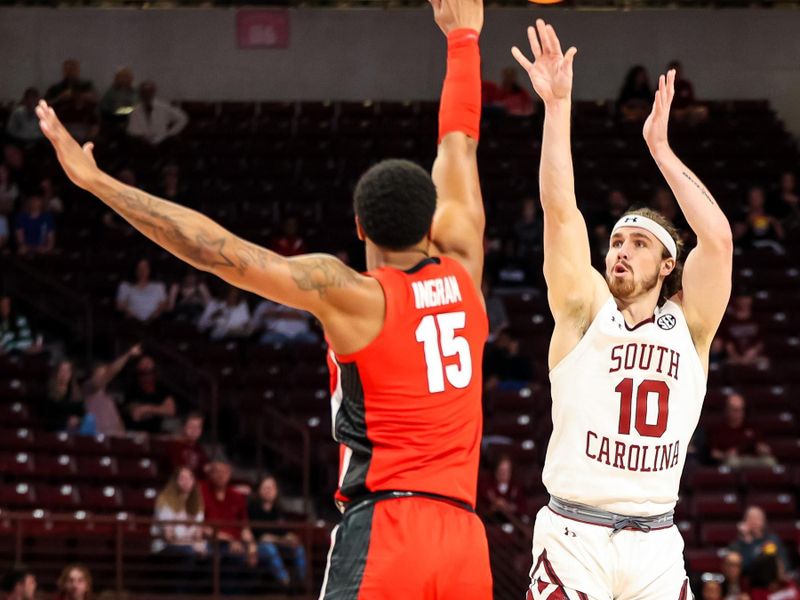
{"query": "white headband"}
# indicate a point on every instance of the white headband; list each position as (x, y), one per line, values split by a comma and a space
(651, 226)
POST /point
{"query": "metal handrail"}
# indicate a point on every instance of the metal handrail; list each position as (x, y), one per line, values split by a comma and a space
(305, 460)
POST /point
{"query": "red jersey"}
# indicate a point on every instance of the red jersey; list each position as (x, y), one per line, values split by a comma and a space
(407, 408)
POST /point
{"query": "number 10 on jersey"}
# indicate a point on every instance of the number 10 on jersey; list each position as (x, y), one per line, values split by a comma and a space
(437, 334)
(646, 389)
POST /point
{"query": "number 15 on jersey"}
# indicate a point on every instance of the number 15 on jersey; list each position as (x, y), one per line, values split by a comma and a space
(437, 334)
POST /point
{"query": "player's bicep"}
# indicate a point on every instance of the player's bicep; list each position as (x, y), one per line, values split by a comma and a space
(572, 282)
(707, 282)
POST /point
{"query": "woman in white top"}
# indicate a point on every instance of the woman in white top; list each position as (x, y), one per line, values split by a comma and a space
(180, 500)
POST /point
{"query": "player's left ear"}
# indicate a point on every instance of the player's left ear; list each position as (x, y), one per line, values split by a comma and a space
(667, 267)
(360, 231)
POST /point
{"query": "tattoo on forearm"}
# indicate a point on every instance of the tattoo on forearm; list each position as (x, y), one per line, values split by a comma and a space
(700, 187)
(319, 273)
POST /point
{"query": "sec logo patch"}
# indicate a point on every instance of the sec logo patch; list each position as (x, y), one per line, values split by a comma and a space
(666, 322)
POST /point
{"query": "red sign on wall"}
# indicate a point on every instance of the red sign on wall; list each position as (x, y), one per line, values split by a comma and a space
(262, 28)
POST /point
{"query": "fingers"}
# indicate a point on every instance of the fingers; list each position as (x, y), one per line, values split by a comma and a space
(555, 44)
(534, 40)
(569, 57)
(541, 28)
(88, 149)
(671, 85)
(521, 58)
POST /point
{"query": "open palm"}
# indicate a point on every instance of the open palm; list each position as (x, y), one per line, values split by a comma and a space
(657, 124)
(551, 70)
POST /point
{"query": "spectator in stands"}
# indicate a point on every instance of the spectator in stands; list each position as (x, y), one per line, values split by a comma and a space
(506, 366)
(786, 204)
(501, 495)
(282, 325)
(266, 506)
(755, 539)
(120, 98)
(742, 334)
(187, 451)
(768, 579)
(35, 228)
(23, 124)
(223, 503)
(70, 87)
(529, 230)
(19, 584)
(636, 96)
(171, 188)
(143, 300)
(736, 444)
(98, 401)
(153, 120)
(759, 229)
(712, 590)
(733, 587)
(9, 192)
(514, 98)
(147, 403)
(226, 319)
(180, 500)
(52, 202)
(16, 334)
(289, 243)
(495, 310)
(507, 268)
(685, 106)
(189, 298)
(65, 410)
(75, 583)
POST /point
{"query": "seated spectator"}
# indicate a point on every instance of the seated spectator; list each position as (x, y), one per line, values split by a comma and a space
(19, 584)
(734, 443)
(23, 124)
(75, 101)
(513, 97)
(733, 587)
(506, 366)
(226, 319)
(743, 342)
(187, 451)
(495, 311)
(636, 96)
(223, 503)
(65, 410)
(180, 500)
(143, 300)
(529, 230)
(189, 298)
(147, 403)
(9, 192)
(289, 243)
(15, 332)
(755, 540)
(282, 324)
(35, 228)
(120, 98)
(685, 106)
(266, 506)
(507, 268)
(712, 590)
(52, 203)
(153, 120)
(759, 229)
(768, 579)
(501, 495)
(98, 401)
(75, 583)
(786, 204)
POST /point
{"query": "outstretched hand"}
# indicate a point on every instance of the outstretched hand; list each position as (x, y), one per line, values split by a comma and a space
(458, 14)
(656, 125)
(551, 71)
(78, 162)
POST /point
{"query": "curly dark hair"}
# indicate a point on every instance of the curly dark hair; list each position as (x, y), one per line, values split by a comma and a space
(674, 281)
(394, 201)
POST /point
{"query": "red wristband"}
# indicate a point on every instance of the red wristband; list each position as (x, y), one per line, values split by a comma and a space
(460, 106)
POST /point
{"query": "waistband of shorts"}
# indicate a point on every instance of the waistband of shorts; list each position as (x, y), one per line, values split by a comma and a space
(615, 522)
(379, 496)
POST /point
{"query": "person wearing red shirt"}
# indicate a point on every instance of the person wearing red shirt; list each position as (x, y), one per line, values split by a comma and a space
(187, 451)
(735, 443)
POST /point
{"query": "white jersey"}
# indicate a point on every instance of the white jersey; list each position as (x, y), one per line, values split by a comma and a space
(626, 403)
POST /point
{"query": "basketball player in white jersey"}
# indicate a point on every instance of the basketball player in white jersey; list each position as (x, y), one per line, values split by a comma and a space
(628, 363)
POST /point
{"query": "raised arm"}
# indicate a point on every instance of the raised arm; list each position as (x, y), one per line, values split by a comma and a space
(707, 273)
(572, 284)
(318, 283)
(459, 221)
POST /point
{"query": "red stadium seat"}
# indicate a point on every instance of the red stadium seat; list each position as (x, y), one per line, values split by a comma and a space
(20, 439)
(138, 469)
(100, 498)
(719, 534)
(98, 468)
(786, 450)
(129, 446)
(94, 445)
(57, 497)
(705, 478)
(778, 477)
(62, 467)
(774, 504)
(16, 495)
(717, 506)
(702, 560)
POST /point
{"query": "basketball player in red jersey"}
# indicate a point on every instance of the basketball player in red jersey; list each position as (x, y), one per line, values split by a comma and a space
(406, 340)
(628, 362)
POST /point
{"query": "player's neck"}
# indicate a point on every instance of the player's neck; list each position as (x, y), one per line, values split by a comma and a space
(637, 309)
(395, 259)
